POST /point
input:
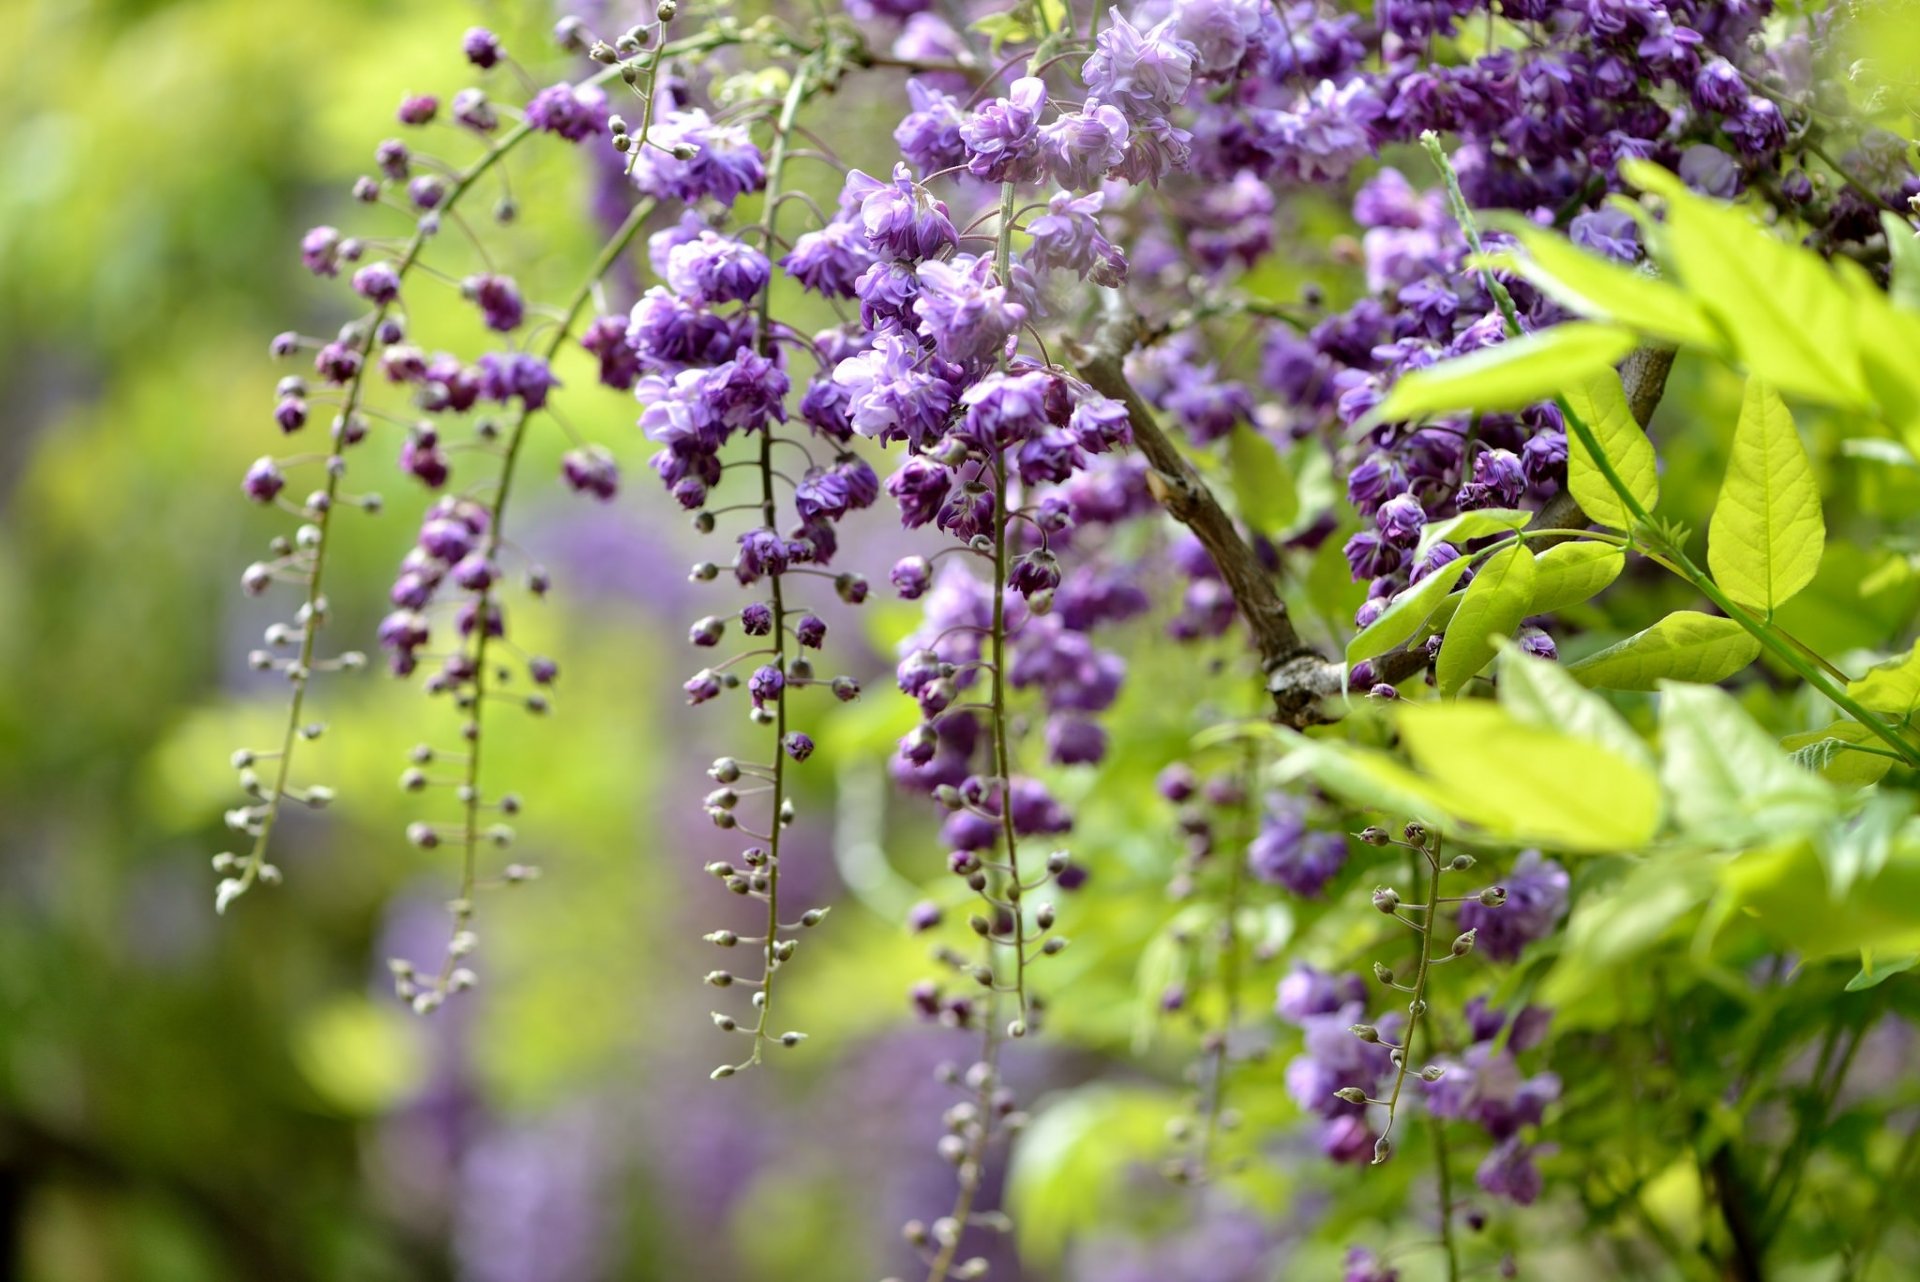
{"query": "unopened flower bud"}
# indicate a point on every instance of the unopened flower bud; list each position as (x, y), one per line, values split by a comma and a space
(1386, 898)
(1375, 835)
(1463, 944)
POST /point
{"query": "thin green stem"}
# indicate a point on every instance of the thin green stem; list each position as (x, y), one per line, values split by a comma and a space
(776, 172)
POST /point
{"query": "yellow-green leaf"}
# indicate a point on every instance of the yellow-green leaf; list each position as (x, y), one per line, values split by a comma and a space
(1784, 310)
(1603, 290)
(1727, 777)
(1569, 573)
(1510, 375)
(1684, 646)
(1767, 534)
(1495, 602)
(1539, 693)
(1467, 526)
(1601, 403)
(1845, 753)
(1533, 784)
(1891, 688)
(1406, 612)
(1263, 488)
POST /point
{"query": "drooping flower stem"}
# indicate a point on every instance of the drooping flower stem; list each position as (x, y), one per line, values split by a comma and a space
(314, 607)
(472, 801)
(770, 947)
(1417, 1002)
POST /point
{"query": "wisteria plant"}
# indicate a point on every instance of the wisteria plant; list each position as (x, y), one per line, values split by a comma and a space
(1268, 400)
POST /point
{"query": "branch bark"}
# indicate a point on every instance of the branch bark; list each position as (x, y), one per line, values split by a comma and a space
(1298, 676)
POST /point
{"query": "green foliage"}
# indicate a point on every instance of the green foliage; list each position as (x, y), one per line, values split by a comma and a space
(1568, 573)
(1494, 603)
(1767, 534)
(1684, 646)
(1406, 613)
(1509, 375)
(1263, 488)
(1601, 404)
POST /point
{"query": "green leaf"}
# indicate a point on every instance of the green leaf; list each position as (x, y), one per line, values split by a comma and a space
(1684, 646)
(1263, 487)
(1469, 526)
(1624, 920)
(1531, 784)
(1569, 573)
(1601, 403)
(1727, 778)
(1767, 533)
(1891, 688)
(1073, 1158)
(1495, 602)
(1873, 974)
(1510, 375)
(1370, 780)
(1538, 692)
(1785, 311)
(1857, 848)
(1406, 612)
(1603, 290)
(1904, 248)
(1846, 754)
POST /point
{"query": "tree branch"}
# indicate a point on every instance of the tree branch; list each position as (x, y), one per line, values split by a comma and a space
(1299, 677)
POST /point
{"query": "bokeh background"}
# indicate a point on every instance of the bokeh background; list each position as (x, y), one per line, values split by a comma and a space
(185, 1098)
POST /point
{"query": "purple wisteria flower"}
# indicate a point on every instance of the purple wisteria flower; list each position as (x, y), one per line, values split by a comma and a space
(1536, 899)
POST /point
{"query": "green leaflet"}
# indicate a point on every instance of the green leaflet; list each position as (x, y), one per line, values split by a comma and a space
(1873, 974)
(1539, 693)
(1726, 777)
(1073, 1157)
(1891, 688)
(1533, 784)
(1263, 486)
(1509, 375)
(1835, 754)
(1469, 526)
(1783, 310)
(1569, 573)
(1767, 533)
(1601, 403)
(1601, 289)
(1406, 612)
(1495, 602)
(1857, 848)
(1904, 248)
(1684, 646)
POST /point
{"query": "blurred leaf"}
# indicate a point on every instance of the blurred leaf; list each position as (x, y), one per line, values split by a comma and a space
(1873, 974)
(1539, 693)
(1553, 788)
(1263, 488)
(1787, 315)
(1603, 290)
(1727, 778)
(1072, 1159)
(1507, 376)
(1767, 533)
(1684, 646)
(359, 1057)
(1492, 608)
(1856, 848)
(1601, 403)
